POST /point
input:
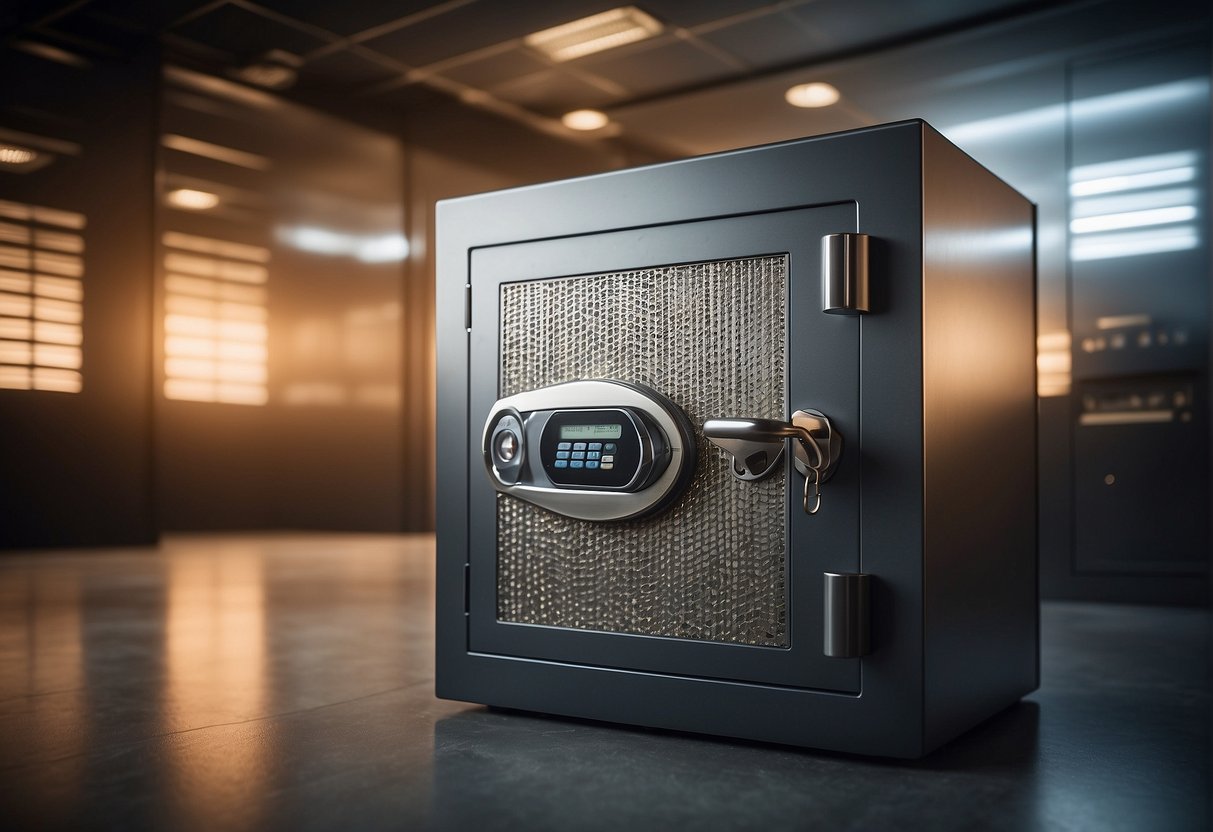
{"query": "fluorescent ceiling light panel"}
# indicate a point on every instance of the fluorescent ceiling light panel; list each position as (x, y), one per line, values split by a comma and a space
(595, 33)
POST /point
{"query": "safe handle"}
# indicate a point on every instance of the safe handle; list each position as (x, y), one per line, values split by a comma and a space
(755, 447)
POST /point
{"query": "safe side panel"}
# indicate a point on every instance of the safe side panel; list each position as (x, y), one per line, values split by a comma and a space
(979, 434)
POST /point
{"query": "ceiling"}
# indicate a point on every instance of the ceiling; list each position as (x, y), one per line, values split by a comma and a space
(407, 55)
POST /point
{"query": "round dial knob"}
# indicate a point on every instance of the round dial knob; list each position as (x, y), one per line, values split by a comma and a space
(507, 445)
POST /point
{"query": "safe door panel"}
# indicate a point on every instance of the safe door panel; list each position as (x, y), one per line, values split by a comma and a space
(723, 318)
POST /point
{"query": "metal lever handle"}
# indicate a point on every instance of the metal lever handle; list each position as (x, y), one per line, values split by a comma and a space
(756, 447)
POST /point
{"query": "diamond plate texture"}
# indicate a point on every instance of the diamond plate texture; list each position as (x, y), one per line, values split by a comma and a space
(711, 337)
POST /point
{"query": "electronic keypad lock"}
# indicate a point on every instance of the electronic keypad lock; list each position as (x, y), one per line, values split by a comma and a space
(601, 449)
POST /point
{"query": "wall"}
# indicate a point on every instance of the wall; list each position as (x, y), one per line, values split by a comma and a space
(75, 348)
(280, 386)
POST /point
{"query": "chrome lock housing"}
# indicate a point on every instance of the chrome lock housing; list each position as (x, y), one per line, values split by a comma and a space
(599, 449)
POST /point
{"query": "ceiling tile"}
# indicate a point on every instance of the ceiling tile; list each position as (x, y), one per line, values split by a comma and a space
(736, 115)
(347, 18)
(667, 65)
(344, 70)
(477, 25)
(496, 69)
(409, 98)
(553, 93)
(768, 40)
(246, 34)
(836, 21)
(682, 13)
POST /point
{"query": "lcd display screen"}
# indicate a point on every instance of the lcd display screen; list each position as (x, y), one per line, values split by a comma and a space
(591, 431)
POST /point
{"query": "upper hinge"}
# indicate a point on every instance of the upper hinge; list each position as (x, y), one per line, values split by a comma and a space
(467, 307)
(844, 274)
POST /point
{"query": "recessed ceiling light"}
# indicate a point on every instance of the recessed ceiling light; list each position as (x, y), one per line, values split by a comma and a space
(595, 33)
(192, 200)
(585, 120)
(276, 70)
(11, 154)
(811, 95)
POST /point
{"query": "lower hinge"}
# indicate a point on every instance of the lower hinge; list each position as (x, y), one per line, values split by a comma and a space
(848, 622)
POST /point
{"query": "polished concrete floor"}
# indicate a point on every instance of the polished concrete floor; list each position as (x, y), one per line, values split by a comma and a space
(285, 682)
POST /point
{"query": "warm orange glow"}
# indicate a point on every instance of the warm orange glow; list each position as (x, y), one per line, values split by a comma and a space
(215, 674)
(215, 321)
(14, 281)
(20, 329)
(190, 199)
(220, 248)
(59, 381)
(41, 294)
(49, 355)
(58, 287)
(1053, 371)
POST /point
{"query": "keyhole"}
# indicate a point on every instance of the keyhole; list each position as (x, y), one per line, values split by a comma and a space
(1109, 479)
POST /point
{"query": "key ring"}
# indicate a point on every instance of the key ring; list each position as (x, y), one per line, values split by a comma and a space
(816, 485)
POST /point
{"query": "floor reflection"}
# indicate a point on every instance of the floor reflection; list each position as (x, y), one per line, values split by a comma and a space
(43, 699)
(286, 682)
(215, 665)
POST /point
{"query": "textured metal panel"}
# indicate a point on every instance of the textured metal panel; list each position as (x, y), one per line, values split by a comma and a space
(712, 337)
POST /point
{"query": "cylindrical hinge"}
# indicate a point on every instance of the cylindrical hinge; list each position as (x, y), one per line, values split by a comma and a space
(844, 274)
(847, 622)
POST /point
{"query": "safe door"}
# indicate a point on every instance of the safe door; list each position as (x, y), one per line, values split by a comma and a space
(676, 555)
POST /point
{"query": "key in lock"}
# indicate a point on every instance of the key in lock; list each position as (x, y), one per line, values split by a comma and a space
(755, 448)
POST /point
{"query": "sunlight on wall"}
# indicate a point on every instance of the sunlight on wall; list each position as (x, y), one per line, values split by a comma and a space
(215, 320)
(41, 294)
(1132, 206)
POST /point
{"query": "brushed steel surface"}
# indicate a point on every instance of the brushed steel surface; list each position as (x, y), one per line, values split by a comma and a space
(844, 274)
(979, 438)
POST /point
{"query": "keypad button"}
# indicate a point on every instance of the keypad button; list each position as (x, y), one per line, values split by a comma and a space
(562, 454)
(592, 454)
(561, 463)
(593, 463)
(595, 446)
(610, 448)
(577, 463)
(564, 446)
(578, 454)
(608, 458)
(578, 446)
(607, 466)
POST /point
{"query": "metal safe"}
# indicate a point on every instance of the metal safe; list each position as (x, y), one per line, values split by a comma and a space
(743, 444)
